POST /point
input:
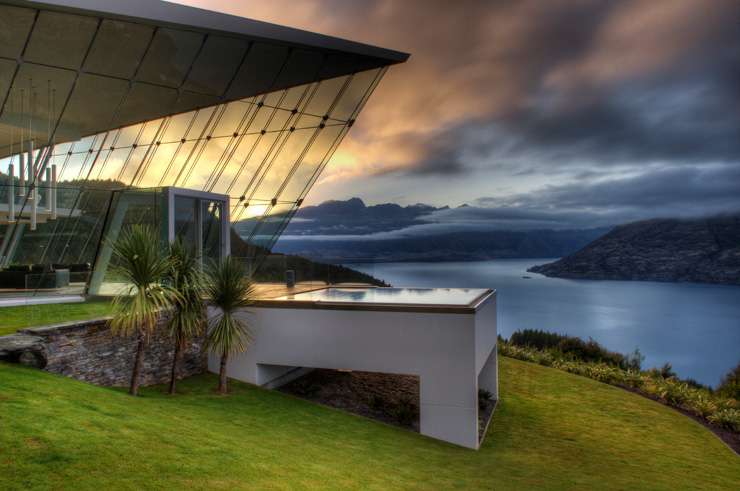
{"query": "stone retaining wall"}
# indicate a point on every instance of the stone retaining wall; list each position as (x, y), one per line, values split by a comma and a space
(87, 351)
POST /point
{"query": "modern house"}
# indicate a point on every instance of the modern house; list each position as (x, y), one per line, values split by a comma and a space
(142, 111)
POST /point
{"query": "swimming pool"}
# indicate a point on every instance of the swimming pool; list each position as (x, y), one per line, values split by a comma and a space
(430, 297)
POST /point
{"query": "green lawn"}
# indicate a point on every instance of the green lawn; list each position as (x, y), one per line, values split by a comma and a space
(552, 430)
(14, 318)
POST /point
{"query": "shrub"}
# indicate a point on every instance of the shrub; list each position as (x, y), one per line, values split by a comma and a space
(726, 418)
(634, 360)
(484, 398)
(730, 385)
(702, 405)
(572, 347)
(536, 338)
(673, 392)
(666, 371)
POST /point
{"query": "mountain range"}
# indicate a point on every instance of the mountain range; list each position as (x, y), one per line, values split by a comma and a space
(350, 231)
(705, 250)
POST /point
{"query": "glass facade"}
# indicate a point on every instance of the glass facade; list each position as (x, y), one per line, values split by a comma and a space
(110, 105)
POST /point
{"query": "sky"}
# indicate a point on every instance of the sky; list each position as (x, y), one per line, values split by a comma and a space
(573, 112)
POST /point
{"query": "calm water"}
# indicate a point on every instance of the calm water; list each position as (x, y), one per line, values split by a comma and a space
(416, 296)
(694, 327)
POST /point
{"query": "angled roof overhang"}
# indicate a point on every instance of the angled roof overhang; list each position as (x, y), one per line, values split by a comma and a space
(70, 68)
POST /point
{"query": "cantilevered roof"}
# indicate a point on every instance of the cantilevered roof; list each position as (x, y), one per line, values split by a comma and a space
(71, 68)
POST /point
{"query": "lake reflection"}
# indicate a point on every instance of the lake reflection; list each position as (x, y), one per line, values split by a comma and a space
(695, 327)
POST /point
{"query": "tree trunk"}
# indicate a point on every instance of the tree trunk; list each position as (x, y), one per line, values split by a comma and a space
(134, 388)
(175, 367)
(222, 374)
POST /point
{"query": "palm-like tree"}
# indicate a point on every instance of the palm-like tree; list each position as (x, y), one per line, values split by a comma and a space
(229, 290)
(136, 310)
(188, 317)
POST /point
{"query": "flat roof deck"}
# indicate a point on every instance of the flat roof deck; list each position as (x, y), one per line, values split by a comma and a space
(366, 297)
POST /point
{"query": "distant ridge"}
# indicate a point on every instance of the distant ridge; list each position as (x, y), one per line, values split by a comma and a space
(700, 250)
(350, 231)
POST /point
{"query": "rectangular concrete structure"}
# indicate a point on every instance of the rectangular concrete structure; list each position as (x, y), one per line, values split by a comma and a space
(451, 349)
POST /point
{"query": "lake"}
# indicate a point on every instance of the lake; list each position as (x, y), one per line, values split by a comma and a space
(695, 327)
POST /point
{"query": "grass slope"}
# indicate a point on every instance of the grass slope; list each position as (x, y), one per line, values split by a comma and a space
(551, 430)
(22, 316)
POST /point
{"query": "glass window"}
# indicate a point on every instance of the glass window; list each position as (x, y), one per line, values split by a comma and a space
(129, 175)
(317, 154)
(290, 153)
(345, 107)
(185, 220)
(337, 64)
(301, 66)
(177, 127)
(203, 123)
(280, 119)
(145, 102)
(159, 170)
(93, 103)
(308, 121)
(324, 97)
(75, 167)
(204, 163)
(40, 77)
(60, 39)
(232, 119)
(169, 57)
(127, 136)
(114, 165)
(268, 228)
(239, 161)
(129, 207)
(259, 71)
(118, 48)
(191, 100)
(99, 164)
(296, 97)
(257, 163)
(211, 213)
(216, 65)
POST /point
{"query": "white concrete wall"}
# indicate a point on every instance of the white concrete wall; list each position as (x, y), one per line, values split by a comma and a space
(443, 349)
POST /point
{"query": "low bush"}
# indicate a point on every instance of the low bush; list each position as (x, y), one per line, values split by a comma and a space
(484, 398)
(574, 348)
(730, 385)
(726, 418)
(662, 383)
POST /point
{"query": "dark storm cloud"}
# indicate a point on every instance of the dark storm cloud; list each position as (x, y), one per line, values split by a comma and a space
(568, 102)
(687, 191)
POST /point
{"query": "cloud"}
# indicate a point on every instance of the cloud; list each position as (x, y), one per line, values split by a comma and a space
(670, 192)
(601, 98)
